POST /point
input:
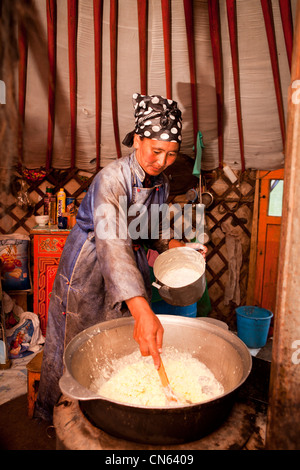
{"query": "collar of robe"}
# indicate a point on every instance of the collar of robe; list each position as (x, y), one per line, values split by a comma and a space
(147, 181)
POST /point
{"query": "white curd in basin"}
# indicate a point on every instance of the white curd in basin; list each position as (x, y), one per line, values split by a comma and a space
(135, 380)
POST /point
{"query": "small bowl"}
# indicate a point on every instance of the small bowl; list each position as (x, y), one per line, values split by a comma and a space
(42, 219)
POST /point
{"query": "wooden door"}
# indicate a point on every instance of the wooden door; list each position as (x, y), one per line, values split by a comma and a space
(268, 238)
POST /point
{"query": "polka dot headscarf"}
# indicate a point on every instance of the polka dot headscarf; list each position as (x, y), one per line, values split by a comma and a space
(156, 118)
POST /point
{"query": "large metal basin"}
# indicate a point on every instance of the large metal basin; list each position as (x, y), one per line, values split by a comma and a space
(222, 351)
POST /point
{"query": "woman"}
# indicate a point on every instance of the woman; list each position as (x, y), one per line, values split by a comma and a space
(102, 276)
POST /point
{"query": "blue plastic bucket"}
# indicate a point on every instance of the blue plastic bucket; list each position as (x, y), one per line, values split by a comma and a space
(253, 325)
(161, 307)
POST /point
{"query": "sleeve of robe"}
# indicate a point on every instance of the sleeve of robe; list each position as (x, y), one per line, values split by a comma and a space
(122, 278)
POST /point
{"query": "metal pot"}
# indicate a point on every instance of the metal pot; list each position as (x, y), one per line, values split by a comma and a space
(87, 354)
(176, 258)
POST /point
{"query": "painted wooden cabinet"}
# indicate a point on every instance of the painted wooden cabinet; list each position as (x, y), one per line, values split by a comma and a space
(48, 245)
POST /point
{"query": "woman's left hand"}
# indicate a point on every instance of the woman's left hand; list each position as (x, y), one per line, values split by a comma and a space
(202, 249)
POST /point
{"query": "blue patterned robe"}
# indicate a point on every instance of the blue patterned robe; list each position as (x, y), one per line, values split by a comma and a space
(95, 276)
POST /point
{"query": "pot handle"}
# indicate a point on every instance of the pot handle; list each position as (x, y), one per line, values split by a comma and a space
(70, 387)
(164, 290)
(158, 286)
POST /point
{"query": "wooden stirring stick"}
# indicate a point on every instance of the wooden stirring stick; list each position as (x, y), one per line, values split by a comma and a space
(167, 387)
(166, 384)
(162, 374)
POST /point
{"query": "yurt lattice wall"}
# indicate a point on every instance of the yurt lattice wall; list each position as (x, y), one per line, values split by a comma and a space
(230, 215)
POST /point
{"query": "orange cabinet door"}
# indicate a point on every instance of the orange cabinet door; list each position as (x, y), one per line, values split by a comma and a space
(47, 250)
(268, 238)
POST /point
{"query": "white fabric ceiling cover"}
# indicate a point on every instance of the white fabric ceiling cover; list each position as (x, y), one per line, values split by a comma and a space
(262, 136)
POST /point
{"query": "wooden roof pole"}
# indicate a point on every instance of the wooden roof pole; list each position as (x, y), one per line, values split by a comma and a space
(23, 54)
(143, 19)
(233, 34)
(72, 39)
(270, 31)
(51, 28)
(113, 70)
(189, 22)
(166, 18)
(98, 11)
(283, 424)
(215, 36)
(287, 25)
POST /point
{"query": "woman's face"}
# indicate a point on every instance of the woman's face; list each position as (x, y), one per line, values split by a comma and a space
(155, 156)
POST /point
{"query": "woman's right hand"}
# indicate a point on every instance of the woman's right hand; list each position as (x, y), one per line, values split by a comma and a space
(148, 330)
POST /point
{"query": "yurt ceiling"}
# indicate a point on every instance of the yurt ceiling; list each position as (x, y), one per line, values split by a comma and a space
(226, 63)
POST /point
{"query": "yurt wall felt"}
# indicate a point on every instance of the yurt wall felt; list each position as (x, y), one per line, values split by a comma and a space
(227, 64)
